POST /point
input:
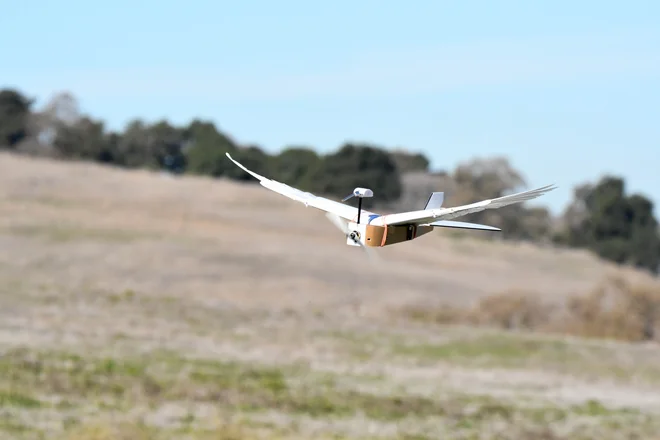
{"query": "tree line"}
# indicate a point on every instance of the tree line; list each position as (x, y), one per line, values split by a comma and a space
(602, 217)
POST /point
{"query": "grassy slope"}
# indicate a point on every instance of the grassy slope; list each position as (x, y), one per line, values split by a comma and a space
(211, 308)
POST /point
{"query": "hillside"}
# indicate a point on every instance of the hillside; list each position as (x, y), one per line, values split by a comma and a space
(102, 267)
(209, 234)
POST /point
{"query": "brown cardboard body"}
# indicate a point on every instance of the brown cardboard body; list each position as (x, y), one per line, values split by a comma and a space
(378, 236)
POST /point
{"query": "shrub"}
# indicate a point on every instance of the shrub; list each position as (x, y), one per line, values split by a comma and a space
(616, 309)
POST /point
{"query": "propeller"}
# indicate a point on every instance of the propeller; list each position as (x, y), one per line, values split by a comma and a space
(338, 222)
(351, 195)
(342, 225)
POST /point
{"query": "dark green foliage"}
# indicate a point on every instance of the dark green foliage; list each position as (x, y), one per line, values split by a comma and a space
(165, 146)
(618, 227)
(359, 166)
(297, 166)
(132, 151)
(14, 117)
(200, 148)
(253, 158)
(84, 140)
(206, 148)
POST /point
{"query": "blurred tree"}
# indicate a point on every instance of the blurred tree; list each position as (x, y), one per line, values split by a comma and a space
(60, 111)
(574, 215)
(296, 166)
(165, 146)
(83, 140)
(62, 108)
(14, 117)
(132, 146)
(488, 178)
(205, 149)
(159, 146)
(253, 158)
(359, 165)
(617, 227)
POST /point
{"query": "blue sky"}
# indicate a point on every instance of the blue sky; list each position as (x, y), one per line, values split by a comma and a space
(567, 90)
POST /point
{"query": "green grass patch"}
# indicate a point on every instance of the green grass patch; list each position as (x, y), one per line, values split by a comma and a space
(486, 348)
(150, 381)
(17, 399)
(502, 349)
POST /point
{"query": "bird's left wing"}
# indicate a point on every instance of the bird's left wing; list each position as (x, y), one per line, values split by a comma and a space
(345, 211)
(431, 215)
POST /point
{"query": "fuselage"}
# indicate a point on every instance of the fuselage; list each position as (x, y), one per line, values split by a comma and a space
(379, 236)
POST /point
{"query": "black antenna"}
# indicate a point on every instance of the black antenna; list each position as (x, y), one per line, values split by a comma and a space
(359, 209)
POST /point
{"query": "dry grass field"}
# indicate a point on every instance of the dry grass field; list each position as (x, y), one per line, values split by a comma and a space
(135, 305)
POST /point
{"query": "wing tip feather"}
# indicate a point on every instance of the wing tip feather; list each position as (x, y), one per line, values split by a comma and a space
(523, 196)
